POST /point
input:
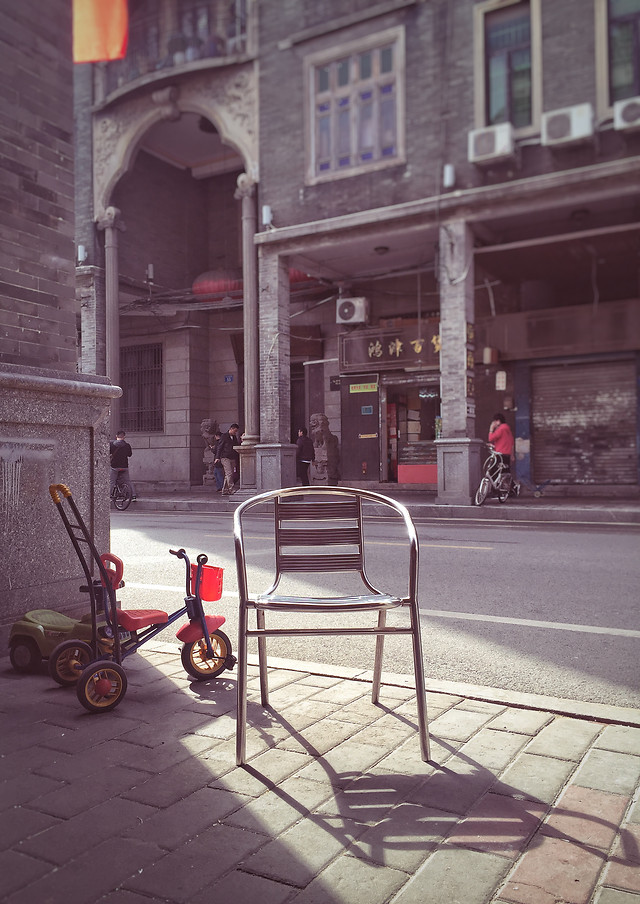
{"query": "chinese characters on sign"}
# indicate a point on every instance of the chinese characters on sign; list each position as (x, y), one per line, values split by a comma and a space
(416, 345)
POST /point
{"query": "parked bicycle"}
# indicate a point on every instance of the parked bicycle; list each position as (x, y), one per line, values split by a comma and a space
(497, 479)
(121, 495)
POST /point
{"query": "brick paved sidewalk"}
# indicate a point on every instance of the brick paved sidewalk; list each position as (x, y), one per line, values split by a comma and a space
(144, 804)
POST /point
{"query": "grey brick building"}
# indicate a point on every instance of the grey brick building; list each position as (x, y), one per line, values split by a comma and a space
(404, 215)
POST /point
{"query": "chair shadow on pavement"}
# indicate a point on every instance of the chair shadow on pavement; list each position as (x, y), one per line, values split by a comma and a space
(394, 819)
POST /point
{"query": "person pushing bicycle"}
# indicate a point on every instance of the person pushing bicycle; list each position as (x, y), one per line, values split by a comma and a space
(501, 438)
(121, 452)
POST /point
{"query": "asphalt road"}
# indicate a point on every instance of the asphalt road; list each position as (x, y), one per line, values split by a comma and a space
(537, 609)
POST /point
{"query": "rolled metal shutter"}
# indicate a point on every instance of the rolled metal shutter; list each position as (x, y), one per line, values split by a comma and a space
(584, 423)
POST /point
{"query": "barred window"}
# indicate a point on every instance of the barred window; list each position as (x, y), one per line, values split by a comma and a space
(142, 406)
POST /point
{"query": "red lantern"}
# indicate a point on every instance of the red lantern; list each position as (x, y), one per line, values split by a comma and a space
(214, 282)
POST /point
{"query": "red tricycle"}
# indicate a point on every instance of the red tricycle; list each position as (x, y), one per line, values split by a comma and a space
(95, 666)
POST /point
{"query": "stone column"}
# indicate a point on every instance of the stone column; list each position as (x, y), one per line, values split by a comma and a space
(246, 193)
(276, 465)
(111, 224)
(458, 450)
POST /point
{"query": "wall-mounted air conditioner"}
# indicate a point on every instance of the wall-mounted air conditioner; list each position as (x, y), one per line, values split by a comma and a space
(352, 310)
(493, 144)
(626, 114)
(567, 126)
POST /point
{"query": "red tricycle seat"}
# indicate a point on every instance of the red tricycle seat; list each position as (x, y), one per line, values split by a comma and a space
(193, 630)
(135, 619)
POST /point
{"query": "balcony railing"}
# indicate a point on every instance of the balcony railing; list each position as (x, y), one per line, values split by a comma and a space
(166, 35)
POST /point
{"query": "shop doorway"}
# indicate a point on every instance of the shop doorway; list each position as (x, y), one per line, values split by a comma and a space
(412, 426)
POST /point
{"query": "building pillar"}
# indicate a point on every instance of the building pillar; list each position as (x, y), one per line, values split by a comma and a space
(276, 466)
(458, 450)
(112, 224)
(247, 451)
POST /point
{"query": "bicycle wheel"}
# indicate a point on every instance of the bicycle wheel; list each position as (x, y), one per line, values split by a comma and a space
(504, 490)
(122, 497)
(483, 490)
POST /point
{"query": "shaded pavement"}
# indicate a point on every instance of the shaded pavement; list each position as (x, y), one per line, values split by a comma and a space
(520, 803)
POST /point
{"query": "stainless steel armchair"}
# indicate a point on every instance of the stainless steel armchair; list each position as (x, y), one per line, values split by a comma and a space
(319, 530)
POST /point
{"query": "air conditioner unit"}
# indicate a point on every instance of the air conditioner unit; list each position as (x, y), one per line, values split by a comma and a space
(626, 114)
(567, 126)
(494, 144)
(352, 310)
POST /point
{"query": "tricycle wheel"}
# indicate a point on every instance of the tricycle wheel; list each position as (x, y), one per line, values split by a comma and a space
(483, 490)
(199, 664)
(68, 660)
(24, 654)
(101, 686)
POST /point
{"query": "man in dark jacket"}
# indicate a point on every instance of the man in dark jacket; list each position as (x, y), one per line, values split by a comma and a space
(305, 454)
(227, 455)
(120, 452)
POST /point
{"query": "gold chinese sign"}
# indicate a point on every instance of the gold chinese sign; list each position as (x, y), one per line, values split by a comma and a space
(415, 345)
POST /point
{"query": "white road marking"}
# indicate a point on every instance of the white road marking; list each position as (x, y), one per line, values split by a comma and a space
(530, 623)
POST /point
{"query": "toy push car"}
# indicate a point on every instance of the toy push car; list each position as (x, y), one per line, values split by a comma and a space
(35, 636)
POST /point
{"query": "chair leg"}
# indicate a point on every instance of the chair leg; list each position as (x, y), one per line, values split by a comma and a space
(377, 663)
(421, 692)
(262, 659)
(241, 717)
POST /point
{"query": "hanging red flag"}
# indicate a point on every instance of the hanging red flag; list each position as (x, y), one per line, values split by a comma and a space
(100, 30)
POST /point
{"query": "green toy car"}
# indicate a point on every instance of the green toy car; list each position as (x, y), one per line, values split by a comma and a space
(36, 635)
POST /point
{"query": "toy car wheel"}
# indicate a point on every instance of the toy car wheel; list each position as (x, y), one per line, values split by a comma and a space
(122, 498)
(68, 660)
(24, 655)
(483, 491)
(101, 686)
(199, 664)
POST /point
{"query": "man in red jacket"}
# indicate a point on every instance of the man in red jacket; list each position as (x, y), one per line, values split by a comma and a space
(501, 438)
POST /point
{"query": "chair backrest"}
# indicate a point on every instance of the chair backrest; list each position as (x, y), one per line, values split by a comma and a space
(320, 530)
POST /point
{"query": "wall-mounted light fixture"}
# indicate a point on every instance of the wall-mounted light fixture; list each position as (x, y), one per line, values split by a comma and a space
(448, 175)
(267, 215)
(149, 276)
(83, 254)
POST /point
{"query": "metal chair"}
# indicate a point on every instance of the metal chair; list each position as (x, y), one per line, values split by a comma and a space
(319, 531)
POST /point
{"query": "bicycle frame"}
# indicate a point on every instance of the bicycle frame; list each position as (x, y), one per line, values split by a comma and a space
(497, 479)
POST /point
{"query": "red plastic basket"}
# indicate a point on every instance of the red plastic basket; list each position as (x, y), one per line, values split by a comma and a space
(210, 583)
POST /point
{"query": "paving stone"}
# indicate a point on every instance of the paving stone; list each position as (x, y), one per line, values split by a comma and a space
(239, 887)
(89, 732)
(521, 721)
(67, 839)
(278, 808)
(320, 738)
(299, 854)
(614, 896)
(634, 810)
(553, 870)
(455, 789)
(458, 724)
(343, 763)
(346, 881)
(565, 738)
(407, 758)
(307, 713)
(455, 876)
(23, 789)
(16, 764)
(20, 823)
(90, 876)
(622, 738)
(609, 771)
(623, 875)
(172, 826)
(587, 816)
(368, 798)
(18, 870)
(343, 693)
(482, 706)
(162, 757)
(181, 874)
(627, 846)
(319, 680)
(404, 838)
(499, 825)
(171, 784)
(536, 777)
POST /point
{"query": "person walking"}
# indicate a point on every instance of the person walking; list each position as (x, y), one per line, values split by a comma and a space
(218, 470)
(227, 455)
(120, 452)
(305, 454)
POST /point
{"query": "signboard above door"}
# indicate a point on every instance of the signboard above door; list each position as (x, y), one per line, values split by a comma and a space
(412, 346)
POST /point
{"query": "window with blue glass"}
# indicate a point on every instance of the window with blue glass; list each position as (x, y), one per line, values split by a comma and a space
(355, 100)
(624, 49)
(508, 81)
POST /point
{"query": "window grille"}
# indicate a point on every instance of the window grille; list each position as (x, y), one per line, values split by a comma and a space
(142, 406)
